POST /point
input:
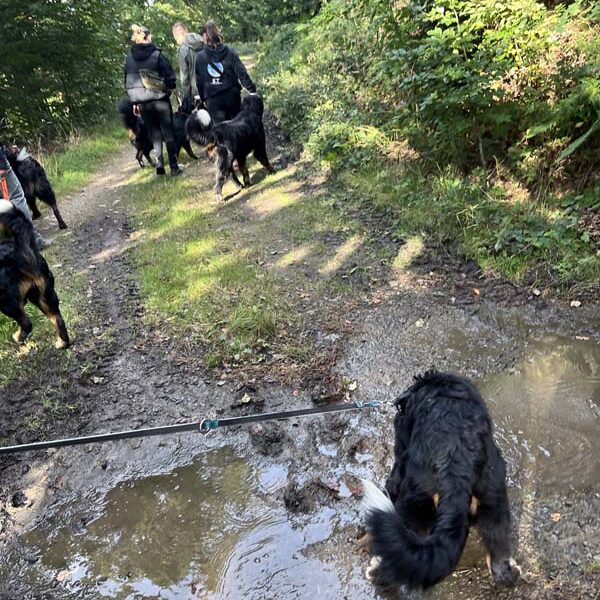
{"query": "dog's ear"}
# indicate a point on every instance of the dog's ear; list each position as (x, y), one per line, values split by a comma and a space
(402, 400)
(198, 104)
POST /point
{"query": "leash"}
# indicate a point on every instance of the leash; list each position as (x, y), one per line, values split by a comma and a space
(203, 426)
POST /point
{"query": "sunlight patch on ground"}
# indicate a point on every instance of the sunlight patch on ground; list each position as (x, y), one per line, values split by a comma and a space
(343, 252)
(408, 252)
(295, 256)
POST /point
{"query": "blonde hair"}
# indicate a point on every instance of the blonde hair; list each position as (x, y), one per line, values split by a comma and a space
(180, 25)
(140, 30)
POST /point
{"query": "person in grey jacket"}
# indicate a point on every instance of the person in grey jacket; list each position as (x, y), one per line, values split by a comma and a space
(149, 79)
(189, 45)
(16, 197)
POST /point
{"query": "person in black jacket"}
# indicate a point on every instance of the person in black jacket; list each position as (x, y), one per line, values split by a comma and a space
(149, 79)
(220, 75)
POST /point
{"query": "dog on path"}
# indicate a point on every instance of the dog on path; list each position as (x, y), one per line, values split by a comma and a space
(25, 276)
(34, 181)
(448, 474)
(139, 135)
(232, 140)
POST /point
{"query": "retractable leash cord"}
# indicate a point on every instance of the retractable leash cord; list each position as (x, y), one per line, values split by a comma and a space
(203, 426)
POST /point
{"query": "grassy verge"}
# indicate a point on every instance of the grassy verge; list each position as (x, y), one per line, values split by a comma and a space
(375, 141)
(69, 169)
(252, 278)
(530, 242)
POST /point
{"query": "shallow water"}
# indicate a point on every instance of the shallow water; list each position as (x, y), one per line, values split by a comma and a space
(198, 532)
(547, 413)
(218, 529)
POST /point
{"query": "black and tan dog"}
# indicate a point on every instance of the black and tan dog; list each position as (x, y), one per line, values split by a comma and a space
(139, 135)
(25, 276)
(448, 474)
(34, 181)
(233, 140)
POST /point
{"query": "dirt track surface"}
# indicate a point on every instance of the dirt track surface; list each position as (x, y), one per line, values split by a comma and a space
(126, 375)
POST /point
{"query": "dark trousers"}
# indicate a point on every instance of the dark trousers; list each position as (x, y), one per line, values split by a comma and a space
(225, 106)
(158, 118)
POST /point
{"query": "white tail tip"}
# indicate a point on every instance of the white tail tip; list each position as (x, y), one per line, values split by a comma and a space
(204, 118)
(374, 499)
(22, 155)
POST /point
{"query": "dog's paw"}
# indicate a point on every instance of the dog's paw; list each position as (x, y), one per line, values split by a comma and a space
(20, 336)
(372, 571)
(61, 344)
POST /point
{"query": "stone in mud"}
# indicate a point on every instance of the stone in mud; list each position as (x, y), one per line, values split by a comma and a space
(268, 438)
(18, 500)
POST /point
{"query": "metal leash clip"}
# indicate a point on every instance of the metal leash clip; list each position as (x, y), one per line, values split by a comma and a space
(208, 425)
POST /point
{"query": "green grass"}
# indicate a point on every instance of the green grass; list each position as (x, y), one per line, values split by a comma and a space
(505, 233)
(234, 275)
(70, 168)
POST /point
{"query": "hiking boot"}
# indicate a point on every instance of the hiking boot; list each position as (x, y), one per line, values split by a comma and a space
(42, 243)
(175, 171)
(160, 170)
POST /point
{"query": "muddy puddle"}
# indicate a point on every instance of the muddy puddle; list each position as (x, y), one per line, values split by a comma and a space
(205, 530)
(547, 413)
(218, 528)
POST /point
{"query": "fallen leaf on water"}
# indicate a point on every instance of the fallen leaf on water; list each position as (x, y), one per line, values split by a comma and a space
(246, 398)
(575, 303)
(476, 291)
(555, 517)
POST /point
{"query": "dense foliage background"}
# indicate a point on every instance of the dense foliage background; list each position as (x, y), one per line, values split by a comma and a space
(61, 61)
(476, 122)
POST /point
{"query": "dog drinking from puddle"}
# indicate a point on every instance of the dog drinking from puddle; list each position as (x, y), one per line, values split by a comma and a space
(448, 474)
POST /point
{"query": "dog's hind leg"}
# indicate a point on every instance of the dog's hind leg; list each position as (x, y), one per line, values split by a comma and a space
(224, 162)
(138, 156)
(243, 170)
(45, 298)
(17, 313)
(46, 194)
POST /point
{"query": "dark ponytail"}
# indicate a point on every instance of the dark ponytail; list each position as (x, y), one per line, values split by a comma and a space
(214, 37)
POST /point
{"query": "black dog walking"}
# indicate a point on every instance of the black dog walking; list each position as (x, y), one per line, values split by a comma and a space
(220, 75)
(149, 79)
(448, 473)
(233, 140)
(34, 181)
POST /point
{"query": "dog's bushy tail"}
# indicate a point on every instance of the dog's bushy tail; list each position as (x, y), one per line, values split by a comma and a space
(407, 558)
(199, 128)
(125, 108)
(21, 231)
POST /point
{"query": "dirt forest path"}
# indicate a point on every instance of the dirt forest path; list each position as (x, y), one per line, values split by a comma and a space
(372, 321)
